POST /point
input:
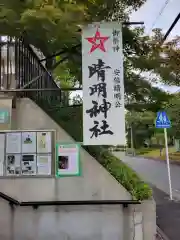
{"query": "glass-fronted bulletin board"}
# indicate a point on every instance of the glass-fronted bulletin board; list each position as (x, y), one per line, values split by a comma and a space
(26, 153)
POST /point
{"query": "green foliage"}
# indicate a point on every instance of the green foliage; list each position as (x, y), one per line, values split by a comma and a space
(140, 93)
(162, 60)
(53, 26)
(126, 176)
(173, 112)
(142, 124)
(48, 25)
(139, 52)
(140, 118)
(62, 75)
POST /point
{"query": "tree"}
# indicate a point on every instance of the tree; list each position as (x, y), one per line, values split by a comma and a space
(173, 112)
(164, 59)
(142, 124)
(54, 28)
(54, 25)
(140, 94)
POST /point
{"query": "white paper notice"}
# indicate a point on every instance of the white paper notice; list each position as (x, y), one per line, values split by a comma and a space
(44, 164)
(13, 164)
(44, 142)
(68, 160)
(28, 163)
(2, 150)
(28, 142)
(13, 142)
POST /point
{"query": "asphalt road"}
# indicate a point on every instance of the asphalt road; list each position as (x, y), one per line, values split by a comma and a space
(155, 172)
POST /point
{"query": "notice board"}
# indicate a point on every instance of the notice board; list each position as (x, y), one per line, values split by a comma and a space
(26, 153)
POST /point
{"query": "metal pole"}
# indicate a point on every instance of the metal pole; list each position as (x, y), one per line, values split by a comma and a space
(168, 165)
(133, 23)
(132, 142)
(38, 90)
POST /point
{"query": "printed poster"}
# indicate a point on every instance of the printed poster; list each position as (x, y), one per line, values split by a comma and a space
(44, 164)
(4, 117)
(103, 84)
(67, 160)
(13, 142)
(28, 142)
(2, 153)
(44, 142)
(28, 164)
(13, 164)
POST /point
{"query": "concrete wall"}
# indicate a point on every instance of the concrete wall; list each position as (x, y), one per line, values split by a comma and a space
(93, 222)
(95, 182)
(77, 223)
(62, 223)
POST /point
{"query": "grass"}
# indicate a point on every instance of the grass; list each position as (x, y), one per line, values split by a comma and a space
(175, 156)
(155, 153)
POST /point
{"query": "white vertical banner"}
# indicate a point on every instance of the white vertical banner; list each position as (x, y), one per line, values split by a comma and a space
(103, 85)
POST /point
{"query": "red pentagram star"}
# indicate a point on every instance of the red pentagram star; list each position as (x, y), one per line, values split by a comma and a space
(97, 41)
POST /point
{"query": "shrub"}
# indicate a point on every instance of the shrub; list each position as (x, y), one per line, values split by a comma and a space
(126, 176)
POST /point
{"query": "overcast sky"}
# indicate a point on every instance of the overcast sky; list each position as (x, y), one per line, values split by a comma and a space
(149, 13)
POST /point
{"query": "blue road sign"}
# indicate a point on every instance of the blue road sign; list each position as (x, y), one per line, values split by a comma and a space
(162, 120)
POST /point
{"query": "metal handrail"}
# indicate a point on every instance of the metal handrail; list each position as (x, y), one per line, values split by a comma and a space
(11, 200)
(36, 204)
(32, 74)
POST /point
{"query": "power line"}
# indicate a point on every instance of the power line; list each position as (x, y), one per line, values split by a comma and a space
(171, 27)
(160, 13)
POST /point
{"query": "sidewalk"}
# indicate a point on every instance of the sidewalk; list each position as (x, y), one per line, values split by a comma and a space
(168, 214)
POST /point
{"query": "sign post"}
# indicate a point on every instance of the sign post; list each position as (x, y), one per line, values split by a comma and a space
(162, 121)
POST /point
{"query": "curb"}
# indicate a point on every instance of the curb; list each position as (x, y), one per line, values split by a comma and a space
(161, 234)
